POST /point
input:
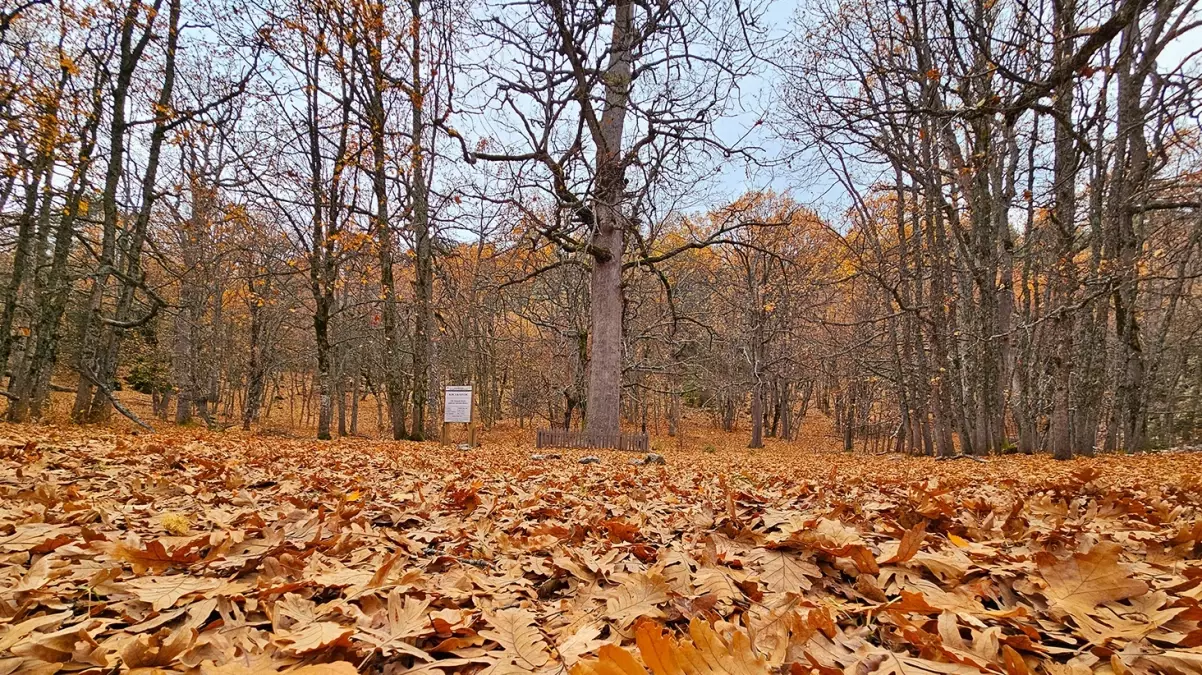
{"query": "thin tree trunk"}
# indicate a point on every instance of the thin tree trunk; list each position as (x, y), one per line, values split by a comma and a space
(423, 275)
(757, 416)
(1063, 218)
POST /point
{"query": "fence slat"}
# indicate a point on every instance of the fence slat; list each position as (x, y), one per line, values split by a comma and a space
(582, 440)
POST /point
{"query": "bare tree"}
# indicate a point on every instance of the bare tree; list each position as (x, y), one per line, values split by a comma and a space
(604, 101)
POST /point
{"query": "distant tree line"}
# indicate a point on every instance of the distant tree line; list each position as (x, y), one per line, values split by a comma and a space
(338, 207)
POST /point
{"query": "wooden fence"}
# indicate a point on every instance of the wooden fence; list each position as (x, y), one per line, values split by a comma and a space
(582, 440)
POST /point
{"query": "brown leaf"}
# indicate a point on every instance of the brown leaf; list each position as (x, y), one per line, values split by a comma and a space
(911, 543)
(784, 572)
(313, 636)
(637, 596)
(515, 631)
(37, 537)
(163, 592)
(1077, 585)
(1013, 662)
(582, 641)
(406, 617)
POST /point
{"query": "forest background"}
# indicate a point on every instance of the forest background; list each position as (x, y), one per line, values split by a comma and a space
(971, 227)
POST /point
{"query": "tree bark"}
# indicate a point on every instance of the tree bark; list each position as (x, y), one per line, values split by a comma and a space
(1063, 218)
(423, 274)
(605, 282)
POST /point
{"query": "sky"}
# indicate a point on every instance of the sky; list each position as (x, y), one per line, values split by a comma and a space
(756, 97)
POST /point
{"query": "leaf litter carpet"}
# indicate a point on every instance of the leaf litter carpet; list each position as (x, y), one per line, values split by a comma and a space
(188, 552)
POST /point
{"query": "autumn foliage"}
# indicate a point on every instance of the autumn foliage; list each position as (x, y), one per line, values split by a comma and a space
(202, 553)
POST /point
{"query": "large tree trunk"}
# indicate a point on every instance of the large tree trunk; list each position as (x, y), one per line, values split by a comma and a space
(1125, 241)
(423, 319)
(95, 334)
(786, 412)
(376, 83)
(184, 365)
(392, 363)
(605, 283)
(112, 333)
(674, 410)
(355, 403)
(605, 356)
(340, 391)
(32, 381)
(90, 319)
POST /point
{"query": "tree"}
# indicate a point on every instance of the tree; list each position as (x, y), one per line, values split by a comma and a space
(605, 102)
(947, 109)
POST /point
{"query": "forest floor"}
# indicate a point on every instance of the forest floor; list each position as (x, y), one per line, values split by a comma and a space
(194, 551)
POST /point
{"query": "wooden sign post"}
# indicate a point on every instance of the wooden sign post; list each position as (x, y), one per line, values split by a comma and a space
(457, 409)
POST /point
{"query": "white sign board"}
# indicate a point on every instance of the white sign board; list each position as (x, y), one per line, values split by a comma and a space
(457, 405)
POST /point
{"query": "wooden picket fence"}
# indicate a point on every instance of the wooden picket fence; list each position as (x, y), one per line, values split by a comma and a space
(582, 440)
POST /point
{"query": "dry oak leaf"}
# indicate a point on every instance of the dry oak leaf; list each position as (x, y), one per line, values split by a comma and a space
(784, 572)
(718, 582)
(406, 617)
(1172, 662)
(72, 645)
(17, 632)
(157, 555)
(163, 592)
(907, 547)
(582, 641)
(37, 537)
(515, 631)
(158, 649)
(770, 631)
(1079, 584)
(838, 539)
(332, 668)
(1147, 613)
(313, 636)
(703, 653)
(638, 595)
(264, 665)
